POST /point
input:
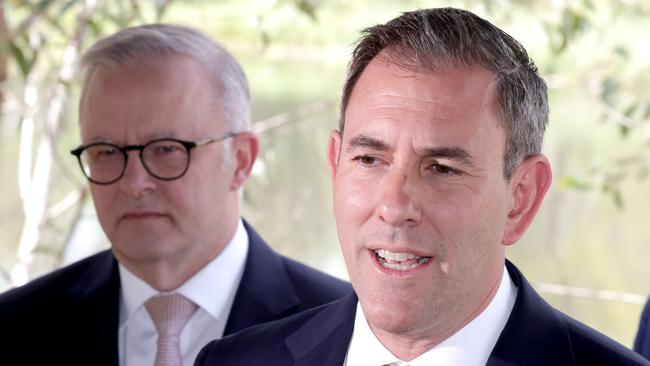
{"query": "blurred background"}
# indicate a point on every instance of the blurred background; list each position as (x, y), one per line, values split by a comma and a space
(587, 251)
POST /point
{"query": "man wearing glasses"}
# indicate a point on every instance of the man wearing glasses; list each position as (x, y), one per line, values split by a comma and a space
(166, 146)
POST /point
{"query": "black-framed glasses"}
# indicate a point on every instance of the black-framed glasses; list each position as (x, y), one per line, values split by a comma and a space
(165, 159)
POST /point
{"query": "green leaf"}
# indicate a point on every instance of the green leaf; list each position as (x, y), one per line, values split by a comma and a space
(24, 63)
(43, 5)
(623, 130)
(618, 198)
(306, 7)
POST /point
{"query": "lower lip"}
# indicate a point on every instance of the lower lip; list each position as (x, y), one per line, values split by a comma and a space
(396, 272)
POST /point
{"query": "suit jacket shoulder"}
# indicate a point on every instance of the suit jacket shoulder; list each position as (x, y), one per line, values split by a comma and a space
(642, 341)
(72, 313)
(273, 287)
(318, 336)
(538, 334)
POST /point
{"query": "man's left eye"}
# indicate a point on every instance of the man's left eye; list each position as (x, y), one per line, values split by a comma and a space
(444, 170)
(166, 149)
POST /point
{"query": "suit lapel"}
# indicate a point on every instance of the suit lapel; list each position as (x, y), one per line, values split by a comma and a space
(94, 309)
(324, 339)
(535, 334)
(265, 292)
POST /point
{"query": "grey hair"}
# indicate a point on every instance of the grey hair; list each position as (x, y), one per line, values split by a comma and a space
(441, 38)
(162, 40)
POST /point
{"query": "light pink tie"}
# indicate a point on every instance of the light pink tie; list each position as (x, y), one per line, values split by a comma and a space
(169, 313)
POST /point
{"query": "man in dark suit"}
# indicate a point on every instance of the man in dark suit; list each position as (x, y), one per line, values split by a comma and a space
(436, 168)
(642, 341)
(165, 125)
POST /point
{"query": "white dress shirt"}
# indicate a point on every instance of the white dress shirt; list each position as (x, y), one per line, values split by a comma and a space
(213, 289)
(470, 346)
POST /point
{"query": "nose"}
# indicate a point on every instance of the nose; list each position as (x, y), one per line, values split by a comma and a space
(398, 203)
(136, 181)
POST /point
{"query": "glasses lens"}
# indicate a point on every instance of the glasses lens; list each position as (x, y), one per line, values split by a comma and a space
(166, 159)
(102, 163)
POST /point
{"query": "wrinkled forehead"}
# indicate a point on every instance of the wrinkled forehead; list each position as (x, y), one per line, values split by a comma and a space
(455, 106)
(406, 63)
(385, 83)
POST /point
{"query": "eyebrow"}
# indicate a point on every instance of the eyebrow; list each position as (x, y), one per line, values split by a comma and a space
(454, 153)
(366, 141)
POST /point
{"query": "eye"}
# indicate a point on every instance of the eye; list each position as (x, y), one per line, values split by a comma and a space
(366, 160)
(166, 148)
(102, 152)
(106, 151)
(444, 170)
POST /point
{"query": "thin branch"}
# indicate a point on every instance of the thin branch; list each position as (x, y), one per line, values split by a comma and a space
(590, 293)
(300, 113)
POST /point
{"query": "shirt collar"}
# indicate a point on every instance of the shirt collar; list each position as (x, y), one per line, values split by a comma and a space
(471, 345)
(220, 276)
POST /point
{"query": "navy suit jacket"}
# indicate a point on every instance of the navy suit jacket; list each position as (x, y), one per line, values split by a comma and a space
(642, 341)
(70, 317)
(535, 334)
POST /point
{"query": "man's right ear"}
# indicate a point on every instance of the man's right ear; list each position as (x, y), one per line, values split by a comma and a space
(333, 151)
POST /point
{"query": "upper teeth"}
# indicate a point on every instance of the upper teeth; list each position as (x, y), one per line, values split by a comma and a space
(395, 256)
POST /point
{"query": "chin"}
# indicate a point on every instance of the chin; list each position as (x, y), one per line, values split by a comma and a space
(393, 323)
(145, 250)
(390, 313)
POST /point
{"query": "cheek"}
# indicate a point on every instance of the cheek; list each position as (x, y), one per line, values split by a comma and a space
(103, 198)
(189, 204)
(353, 201)
(471, 225)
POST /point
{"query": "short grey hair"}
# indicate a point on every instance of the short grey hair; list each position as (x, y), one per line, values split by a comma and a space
(162, 40)
(436, 39)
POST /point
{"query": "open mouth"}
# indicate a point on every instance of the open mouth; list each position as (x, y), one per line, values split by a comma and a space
(402, 261)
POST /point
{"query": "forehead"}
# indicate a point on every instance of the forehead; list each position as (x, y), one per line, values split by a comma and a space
(148, 96)
(451, 106)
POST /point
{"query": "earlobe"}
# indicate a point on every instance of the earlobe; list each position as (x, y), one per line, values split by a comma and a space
(528, 186)
(333, 151)
(246, 146)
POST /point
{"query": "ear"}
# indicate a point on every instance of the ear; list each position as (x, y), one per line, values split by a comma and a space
(333, 151)
(528, 186)
(245, 148)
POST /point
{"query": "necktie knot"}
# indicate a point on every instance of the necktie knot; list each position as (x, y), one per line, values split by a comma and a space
(170, 314)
